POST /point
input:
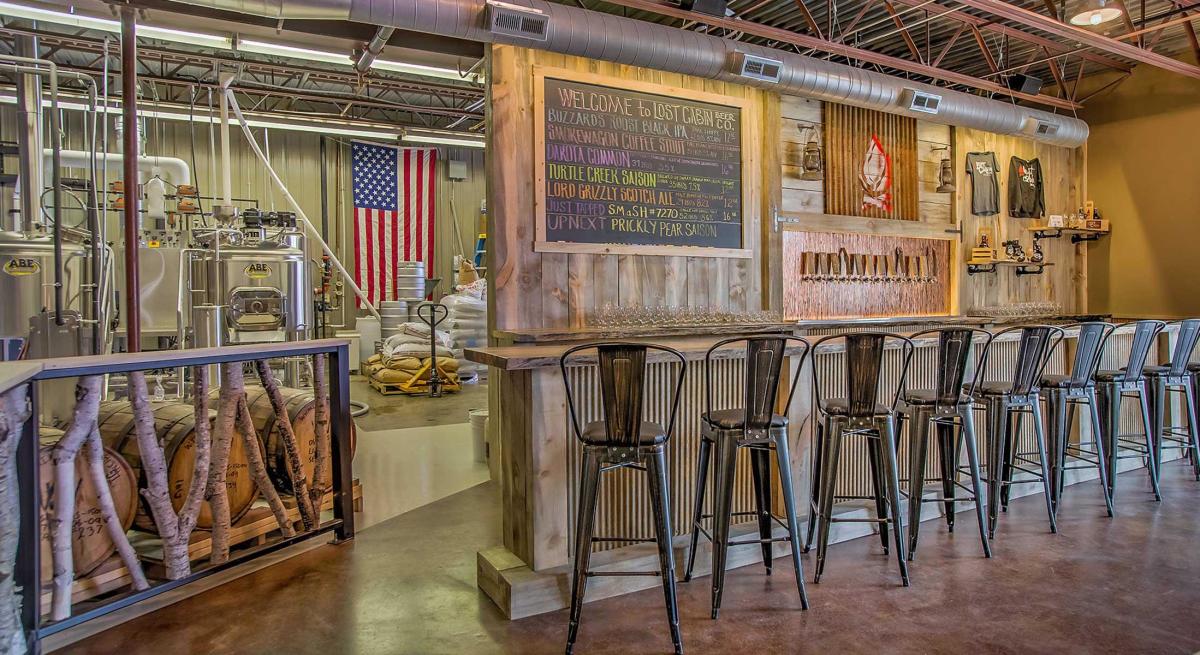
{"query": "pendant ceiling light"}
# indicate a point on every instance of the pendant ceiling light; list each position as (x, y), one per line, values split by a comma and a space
(1095, 12)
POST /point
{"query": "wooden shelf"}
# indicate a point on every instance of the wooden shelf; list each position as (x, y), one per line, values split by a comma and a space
(1022, 268)
(1078, 234)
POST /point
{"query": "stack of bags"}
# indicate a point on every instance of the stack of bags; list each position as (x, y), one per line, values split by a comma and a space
(467, 324)
(405, 354)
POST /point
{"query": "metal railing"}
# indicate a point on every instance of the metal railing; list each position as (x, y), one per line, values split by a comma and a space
(28, 565)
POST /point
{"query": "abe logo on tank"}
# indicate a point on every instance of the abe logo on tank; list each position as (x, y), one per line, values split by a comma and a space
(22, 266)
(257, 271)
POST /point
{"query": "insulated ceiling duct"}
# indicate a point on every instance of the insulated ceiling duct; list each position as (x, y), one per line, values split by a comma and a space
(584, 33)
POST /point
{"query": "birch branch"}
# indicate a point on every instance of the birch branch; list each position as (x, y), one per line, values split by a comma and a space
(233, 388)
(62, 517)
(154, 467)
(14, 412)
(200, 467)
(321, 456)
(284, 422)
(258, 468)
(108, 509)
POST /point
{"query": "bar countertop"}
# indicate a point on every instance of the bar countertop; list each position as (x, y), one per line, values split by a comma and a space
(694, 341)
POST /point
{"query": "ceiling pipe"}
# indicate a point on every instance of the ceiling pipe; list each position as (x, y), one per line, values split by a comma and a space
(373, 48)
(609, 37)
(129, 137)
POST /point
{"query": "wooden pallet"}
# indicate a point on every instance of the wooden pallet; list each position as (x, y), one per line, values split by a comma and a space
(253, 529)
(396, 389)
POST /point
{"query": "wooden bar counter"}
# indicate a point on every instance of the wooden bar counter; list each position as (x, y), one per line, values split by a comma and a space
(539, 456)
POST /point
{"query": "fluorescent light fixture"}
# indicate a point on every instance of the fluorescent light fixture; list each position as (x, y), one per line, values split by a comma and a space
(468, 143)
(107, 25)
(317, 125)
(280, 50)
(427, 71)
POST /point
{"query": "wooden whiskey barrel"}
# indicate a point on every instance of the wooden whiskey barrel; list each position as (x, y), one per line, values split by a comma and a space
(175, 424)
(90, 543)
(302, 409)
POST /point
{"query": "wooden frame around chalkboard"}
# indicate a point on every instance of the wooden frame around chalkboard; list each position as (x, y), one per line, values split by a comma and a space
(750, 166)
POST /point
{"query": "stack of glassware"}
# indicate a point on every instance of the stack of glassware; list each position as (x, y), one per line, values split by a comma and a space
(1021, 310)
(674, 316)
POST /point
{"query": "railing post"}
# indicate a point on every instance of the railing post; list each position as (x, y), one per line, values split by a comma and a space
(29, 551)
(343, 476)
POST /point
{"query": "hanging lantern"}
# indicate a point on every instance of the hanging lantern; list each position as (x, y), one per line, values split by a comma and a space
(812, 162)
(945, 174)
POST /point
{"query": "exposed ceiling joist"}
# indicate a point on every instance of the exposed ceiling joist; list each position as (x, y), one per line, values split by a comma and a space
(850, 52)
(1067, 31)
(987, 26)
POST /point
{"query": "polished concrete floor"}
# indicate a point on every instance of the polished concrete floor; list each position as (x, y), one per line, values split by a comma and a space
(1124, 585)
(401, 411)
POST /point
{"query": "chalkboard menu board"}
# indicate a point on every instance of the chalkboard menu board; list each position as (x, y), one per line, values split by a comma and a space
(626, 167)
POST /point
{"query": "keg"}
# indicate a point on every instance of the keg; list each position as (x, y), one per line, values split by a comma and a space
(410, 280)
(393, 313)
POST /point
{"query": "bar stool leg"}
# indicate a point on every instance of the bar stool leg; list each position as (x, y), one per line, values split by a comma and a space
(1158, 413)
(1039, 433)
(998, 418)
(1101, 450)
(656, 471)
(698, 513)
(829, 459)
(969, 437)
(726, 464)
(589, 483)
(760, 465)
(917, 445)
(1189, 390)
(878, 487)
(1012, 444)
(947, 434)
(1056, 441)
(1110, 400)
(814, 482)
(891, 470)
(784, 462)
(1150, 463)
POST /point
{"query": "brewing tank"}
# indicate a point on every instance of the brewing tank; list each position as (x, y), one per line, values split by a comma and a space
(264, 287)
(27, 280)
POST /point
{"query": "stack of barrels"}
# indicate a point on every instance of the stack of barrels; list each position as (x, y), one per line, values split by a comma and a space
(175, 425)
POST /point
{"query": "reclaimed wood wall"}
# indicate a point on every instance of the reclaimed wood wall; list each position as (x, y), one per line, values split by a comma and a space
(849, 132)
(532, 290)
(1064, 175)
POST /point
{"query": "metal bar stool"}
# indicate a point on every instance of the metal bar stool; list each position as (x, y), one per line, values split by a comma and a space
(1116, 385)
(949, 407)
(1176, 377)
(756, 427)
(859, 414)
(1020, 396)
(623, 440)
(1063, 395)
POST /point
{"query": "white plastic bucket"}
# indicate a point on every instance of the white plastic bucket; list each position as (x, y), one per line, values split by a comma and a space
(368, 330)
(479, 419)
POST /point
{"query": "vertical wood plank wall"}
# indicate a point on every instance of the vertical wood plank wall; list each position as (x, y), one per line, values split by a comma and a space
(553, 290)
(848, 134)
(1063, 177)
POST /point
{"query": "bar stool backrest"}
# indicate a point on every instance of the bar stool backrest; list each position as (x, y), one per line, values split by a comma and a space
(622, 369)
(863, 358)
(1089, 348)
(1037, 344)
(954, 356)
(1144, 334)
(764, 362)
(1185, 343)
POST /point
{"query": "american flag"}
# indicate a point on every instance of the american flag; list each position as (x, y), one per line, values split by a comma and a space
(393, 213)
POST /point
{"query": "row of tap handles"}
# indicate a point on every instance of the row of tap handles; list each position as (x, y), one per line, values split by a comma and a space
(843, 266)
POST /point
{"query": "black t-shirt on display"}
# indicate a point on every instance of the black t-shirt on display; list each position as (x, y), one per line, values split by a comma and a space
(1026, 197)
(985, 190)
